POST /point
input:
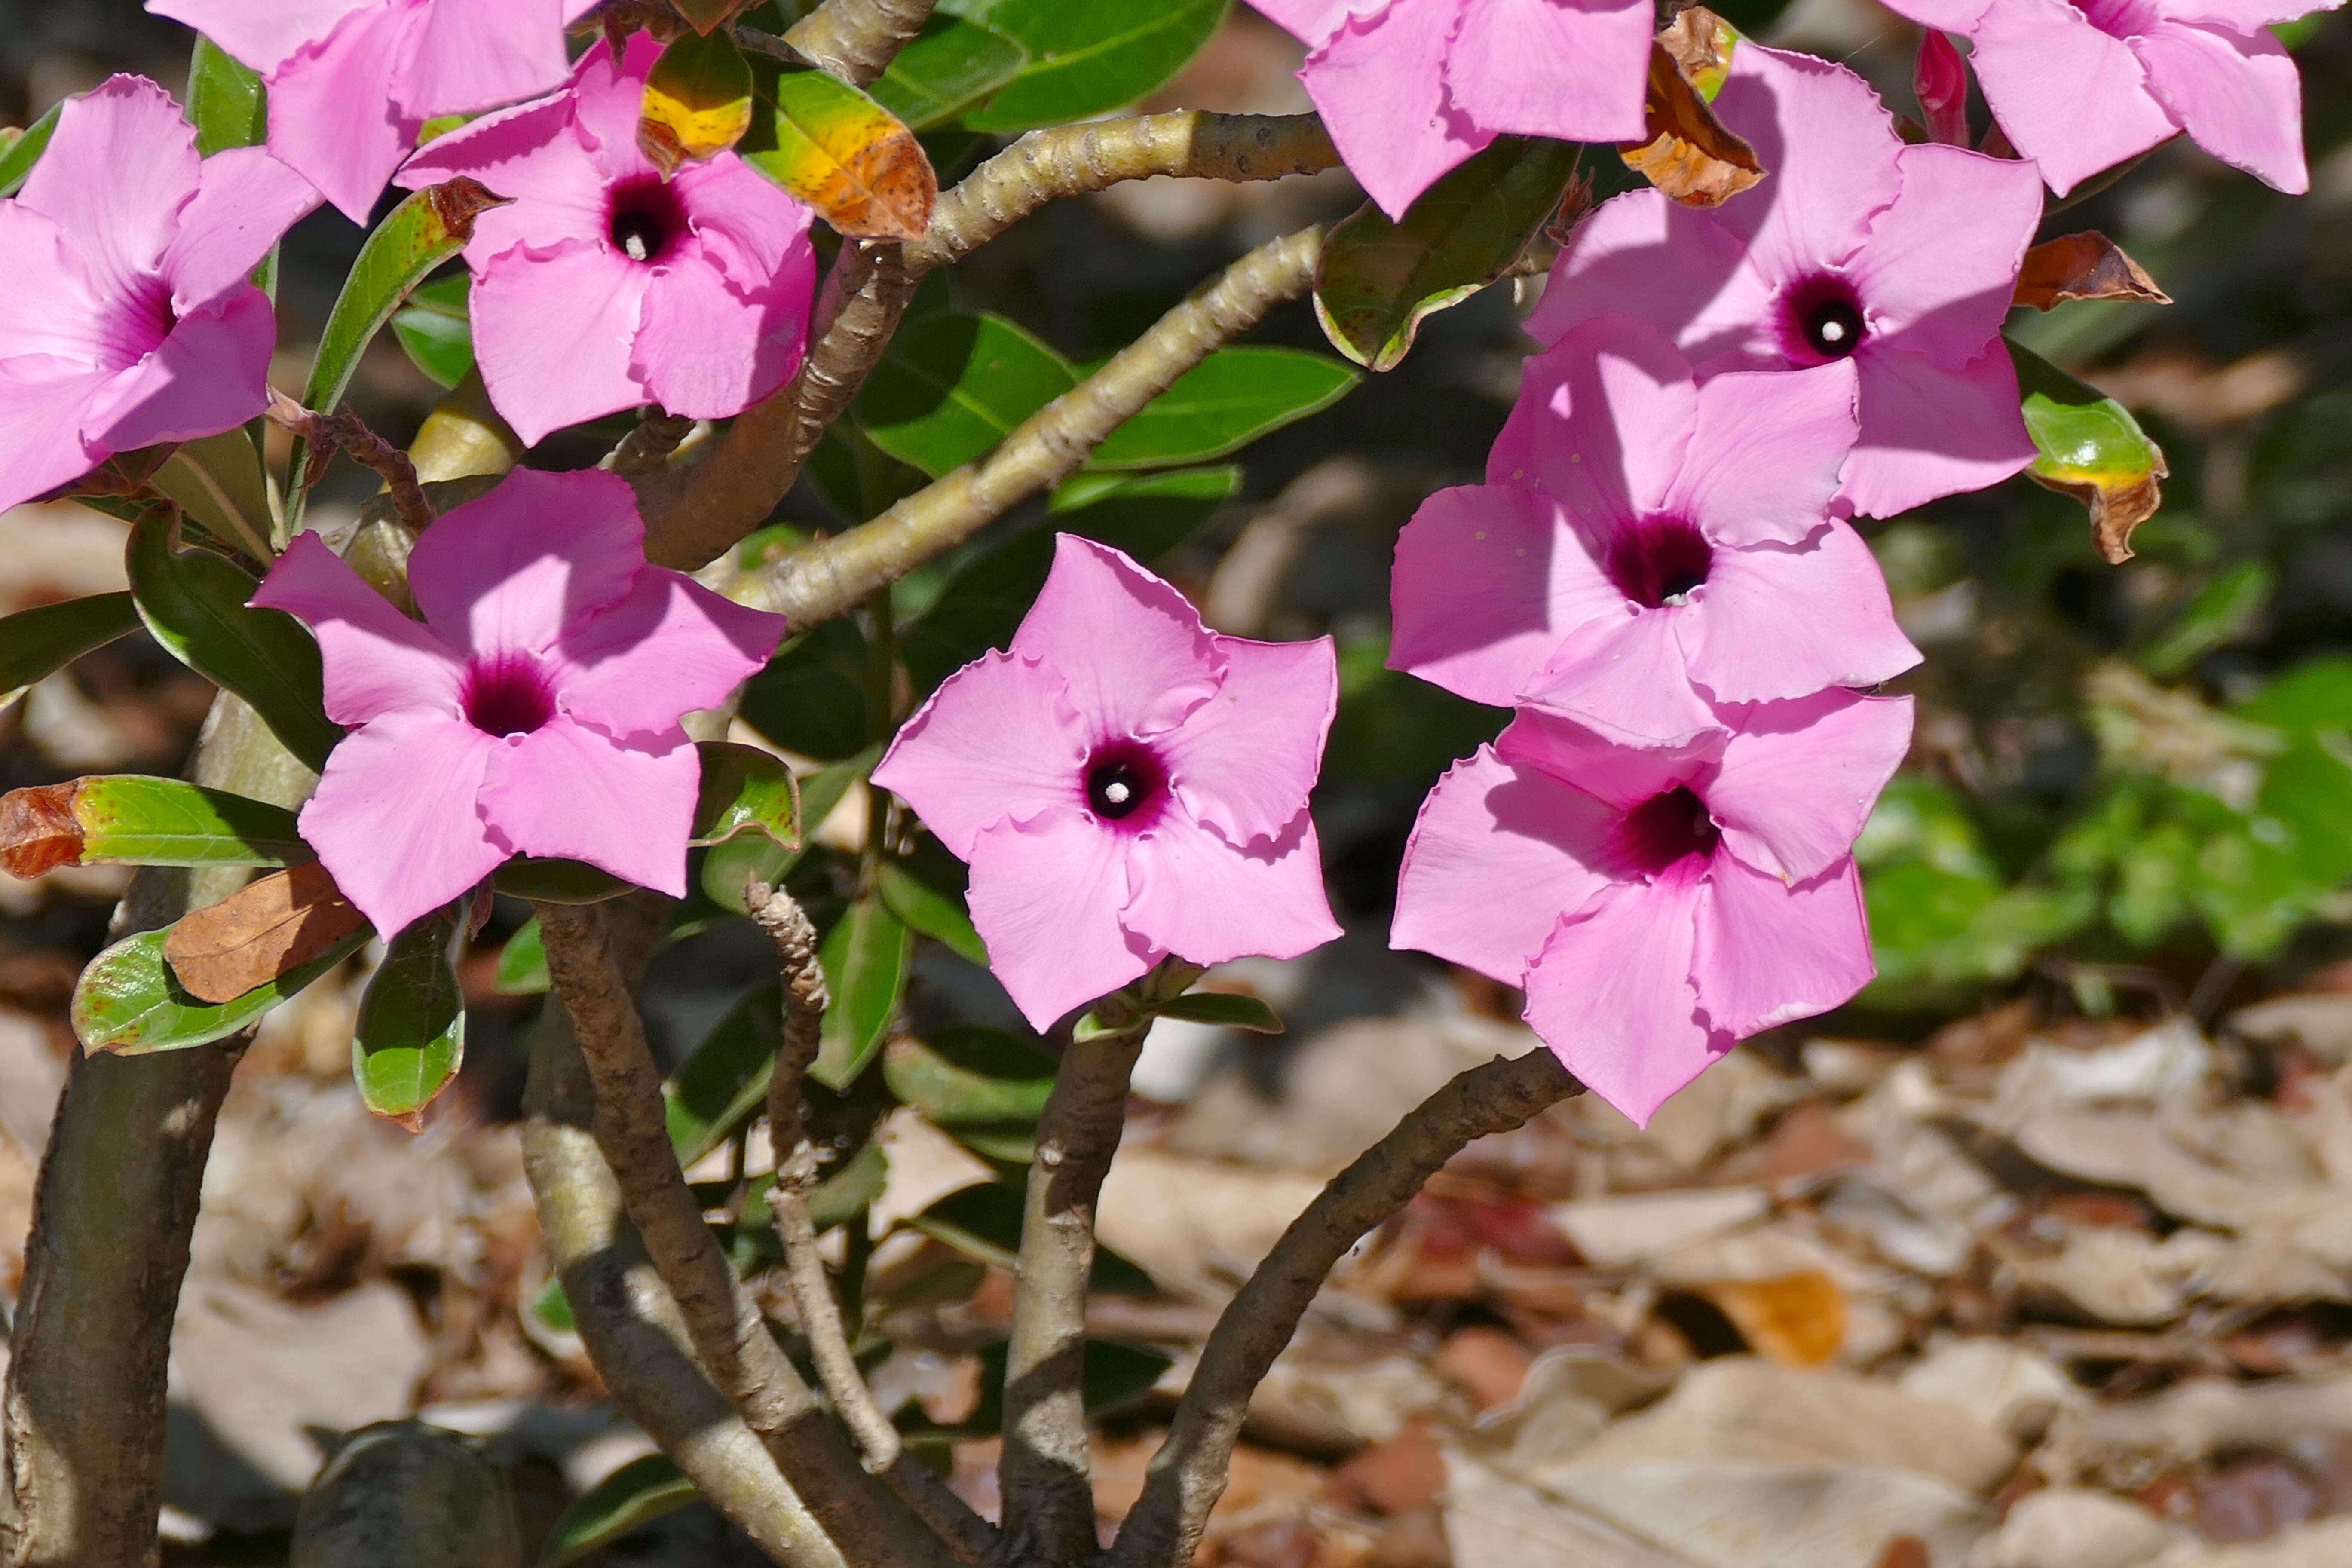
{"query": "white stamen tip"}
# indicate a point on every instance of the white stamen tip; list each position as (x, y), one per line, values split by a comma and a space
(634, 243)
(1833, 331)
(1117, 794)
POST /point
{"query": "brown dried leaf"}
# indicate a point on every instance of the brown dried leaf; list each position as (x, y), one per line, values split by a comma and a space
(275, 923)
(1700, 43)
(1688, 154)
(1904, 1551)
(1797, 1320)
(458, 202)
(2115, 513)
(2086, 266)
(38, 830)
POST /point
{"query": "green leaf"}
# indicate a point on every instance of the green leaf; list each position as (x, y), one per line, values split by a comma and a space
(522, 963)
(410, 1038)
(193, 601)
(128, 1002)
(1378, 278)
(2089, 446)
(811, 697)
(698, 101)
(633, 1496)
(935, 912)
(946, 68)
(730, 865)
(38, 643)
(1224, 1010)
(1086, 57)
(865, 957)
(226, 101)
(17, 160)
(129, 819)
(436, 328)
(851, 1188)
(554, 1308)
(2223, 612)
(556, 881)
(950, 388)
(2312, 698)
(984, 1222)
(723, 1084)
(966, 1076)
(1223, 403)
(745, 790)
(220, 484)
(420, 234)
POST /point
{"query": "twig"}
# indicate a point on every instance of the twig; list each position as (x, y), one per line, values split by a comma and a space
(648, 447)
(857, 40)
(1188, 1475)
(1072, 160)
(323, 433)
(825, 579)
(730, 1336)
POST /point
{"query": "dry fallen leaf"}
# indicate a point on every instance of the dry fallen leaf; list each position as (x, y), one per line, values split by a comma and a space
(275, 923)
(1686, 152)
(2086, 266)
(1797, 1320)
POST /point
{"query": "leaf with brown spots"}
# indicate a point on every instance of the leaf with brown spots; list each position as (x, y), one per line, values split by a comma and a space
(849, 158)
(127, 819)
(274, 924)
(2086, 266)
(1688, 152)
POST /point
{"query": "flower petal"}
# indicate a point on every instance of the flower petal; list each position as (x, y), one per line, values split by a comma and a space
(2071, 98)
(42, 401)
(626, 805)
(332, 119)
(1575, 72)
(211, 375)
(531, 154)
(245, 201)
(50, 309)
(1046, 897)
(120, 165)
(1309, 21)
(1798, 779)
(553, 331)
(1193, 894)
(1770, 953)
(998, 742)
(1625, 679)
(606, 95)
(1622, 776)
(1830, 148)
(1244, 759)
(468, 57)
(1941, 268)
(2238, 94)
(1498, 854)
(743, 218)
(1642, 255)
(1764, 453)
(517, 569)
(263, 34)
(1132, 649)
(377, 660)
(1488, 579)
(1928, 432)
(1379, 85)
(1611, 994)
(1775, 621)
(668, 646)
(1603, 420)
(708, 350)
(395, 818)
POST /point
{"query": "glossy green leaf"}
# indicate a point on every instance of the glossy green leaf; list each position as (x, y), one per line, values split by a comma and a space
(865, 956)
(934, 912)
(850, 1187)
(811, 697)
(19, 156)
(2312, 698)
(410, 1038)
(522, 963)
(193, 601)
(1224, 1010)
(745, 790)
(437, 329)
(219, 482)
(556, 881)
(1378, 278)
(730, 865)
(131, 819)
(984, 1222)
(945, 69)
(128, 1002)
(963, 1077)
(630, 1498)
(424, 230)
(1086, 57)
(2089, 446)
(1223, 403)
(698, 101)
(724, 1082)
(38, 643)
(950, 388)
(227, 103)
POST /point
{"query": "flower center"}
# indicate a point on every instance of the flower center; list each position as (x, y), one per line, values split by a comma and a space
(138, 322)
(1658, 561)
(508, 696)
(1125, 784)
(646, 219)
(1826, 318)
(1668, 829)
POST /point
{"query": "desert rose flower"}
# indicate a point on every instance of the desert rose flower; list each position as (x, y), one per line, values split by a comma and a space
(2081, 86)
(351, 82)
(129, 316)
(1126, 784)
(1410, 88)
(1902, 259)
(1648, 547)
(1657, 905)
(534, 710)
(602, 285)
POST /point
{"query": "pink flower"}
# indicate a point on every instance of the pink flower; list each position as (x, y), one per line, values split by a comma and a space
(602, 285)
(1126, 784)
(2081, 86)
(1657, 905)
(1410, 88)
(353, 81)
(534, 711)
(129, 316)
(1902, 259)
(1647, 547)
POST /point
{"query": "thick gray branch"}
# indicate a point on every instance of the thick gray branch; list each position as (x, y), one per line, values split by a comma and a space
(857, 40)
(1188, 1474)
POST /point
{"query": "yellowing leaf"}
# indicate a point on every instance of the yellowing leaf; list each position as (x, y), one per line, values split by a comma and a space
(698, 101)
(1686, 151)
(850, 159)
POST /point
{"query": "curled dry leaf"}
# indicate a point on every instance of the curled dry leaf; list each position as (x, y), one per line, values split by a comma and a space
(2086, 266)
(458, 202)
(274, 924)
(38, 831)
(849, 158)
(1688, 152)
